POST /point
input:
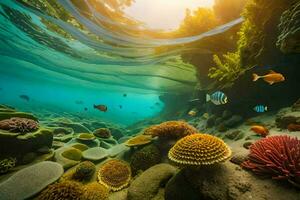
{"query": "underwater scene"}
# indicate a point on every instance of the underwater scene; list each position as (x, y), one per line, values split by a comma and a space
(150, 99)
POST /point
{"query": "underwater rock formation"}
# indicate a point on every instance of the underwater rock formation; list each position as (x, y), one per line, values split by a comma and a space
(286, 116)
(95, 154)
(31, 180)
(66, 162)
(19, 125)
(277, 157)
(102, 133)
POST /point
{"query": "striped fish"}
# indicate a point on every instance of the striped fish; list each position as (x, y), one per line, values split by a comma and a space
(218, 98)
(260, 108)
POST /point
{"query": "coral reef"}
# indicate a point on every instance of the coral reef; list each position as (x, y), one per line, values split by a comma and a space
(102, 133)
(95, 154)
(72, 154)
(7, 164)
(138, 140)
(86, 137)
(66, 162)
(145, 158)
(65, 190)
(84, 171)
(277, 157)
(199, 149)
(95, 191)
(114, 174)
(19, 125)
(171, 129)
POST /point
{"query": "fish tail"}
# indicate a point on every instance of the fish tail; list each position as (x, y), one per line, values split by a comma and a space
(207, 97)
(255, 77)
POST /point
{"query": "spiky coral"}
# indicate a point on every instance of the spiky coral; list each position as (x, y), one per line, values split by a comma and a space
(7, 164)
(277, 157)
(102, 133)
(19, 125)
(171, 129)
(199, 149)
(84, 171)
(138, 140)
(114, 174)
(65, 190)
(95, 191)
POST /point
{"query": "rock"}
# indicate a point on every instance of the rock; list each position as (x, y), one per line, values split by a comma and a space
(234, 121)
(95, 154)
(147, 185)
(120, 195)
(105, 145)
(296, 106)
(6, 114)
(90, 144)
(123, 139)
(44, 150)
(211, 121)
(226, 114)
(30, 181)
(247, 145)
(118, 149)
(286, 117)
(235, 135)
(110, 140)
(239, 158)
(72, 154)
(79, 146)
(218, 121)
(57, 144)
(65, 162)
(222, 128)
(117, 133)
(28, 158)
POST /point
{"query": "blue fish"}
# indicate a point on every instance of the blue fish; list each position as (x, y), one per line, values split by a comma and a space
(218, 98)
(260, 108)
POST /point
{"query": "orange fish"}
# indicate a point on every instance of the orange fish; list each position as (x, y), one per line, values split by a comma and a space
(260, 130)
(102, 108)
(271, 78)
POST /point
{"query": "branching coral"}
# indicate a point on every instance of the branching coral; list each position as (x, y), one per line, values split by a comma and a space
(65, 190)
(102, 133)
(95, 191)
(199, 149)
(171, 129)
(7, 164)
(114, 174)
(138, 140)
(84, 171)
(277, 157)
(19, 125)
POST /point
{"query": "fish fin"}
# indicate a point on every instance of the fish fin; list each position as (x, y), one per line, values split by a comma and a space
(272, 72)
(266, 108)
(271, 82)
(255, 77)
(207, 97)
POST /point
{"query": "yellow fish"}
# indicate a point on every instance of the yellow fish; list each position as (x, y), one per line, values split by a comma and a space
(192, 113)
(206, 115)
(271, 78)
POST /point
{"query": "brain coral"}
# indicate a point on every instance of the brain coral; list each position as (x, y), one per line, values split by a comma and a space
(65, 190)
(7, 164)
(138, 140)
(199, 149)
(95, 191)
(277, 157)
(171, 129)
(19, 125)
(84, 170)
(114, 174)
(102, 133)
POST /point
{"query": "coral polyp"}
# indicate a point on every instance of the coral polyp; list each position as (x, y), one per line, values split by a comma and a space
(19, 125)
(199, 149)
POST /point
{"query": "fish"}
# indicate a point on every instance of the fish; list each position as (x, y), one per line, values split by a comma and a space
(192, 113)
(218, 98)
(102, 108)
(260, 108)
(24, 97)
(120, 106)
(157, 103)
(124, 95)
(194, 100)
(205, 115)
(85, 109)
(271, 78)
(79, 102)
(260, 130)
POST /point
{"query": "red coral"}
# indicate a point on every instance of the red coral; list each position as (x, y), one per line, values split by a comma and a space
(277, 157)
(19, 125)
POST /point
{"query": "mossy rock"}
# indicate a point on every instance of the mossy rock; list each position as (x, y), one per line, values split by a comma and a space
(72, 154)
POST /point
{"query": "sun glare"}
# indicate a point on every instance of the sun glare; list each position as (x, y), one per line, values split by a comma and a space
(163, 14)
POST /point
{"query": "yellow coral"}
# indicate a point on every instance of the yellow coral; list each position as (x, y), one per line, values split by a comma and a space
(171, 129)
(114, 174)
(199, 149)
(95, 191)
(138, 140)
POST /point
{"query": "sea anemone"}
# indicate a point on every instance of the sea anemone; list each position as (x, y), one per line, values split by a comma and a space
(65, 190)
(95, 191)
(171, 129)
(84, 171)
(138, 140)
(19, 125)
(102, 133)
(198, 150)
(7, 164)
(277, 157)
(114, 174)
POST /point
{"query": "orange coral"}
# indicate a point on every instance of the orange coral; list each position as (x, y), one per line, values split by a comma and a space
(114, 174)
(199, 149)
(171, 129)
(138, 140)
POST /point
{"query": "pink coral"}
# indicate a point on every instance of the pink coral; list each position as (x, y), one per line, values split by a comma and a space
(277, 157)
(19, 125)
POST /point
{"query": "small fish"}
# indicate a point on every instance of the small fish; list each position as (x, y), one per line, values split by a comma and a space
(120, 106)
(157, 104)
(271, 78)
(205, 115)
(102, 108)
(24, 97)
(260, 108)
(260, 130)
(192, 113)
(85, 109)
(124, 95)
(79, 102)
(218, 98)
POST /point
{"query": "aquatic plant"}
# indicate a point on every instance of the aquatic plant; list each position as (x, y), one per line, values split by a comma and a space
(114, 174)
(6, 164)
(72, 154)
(19, 125)
(170, 129)
(102, 133)
(138, 140)
(95, 191)
(65, 190)
(84, 171)
(277, 157)
(199, 149)
(145, 158)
